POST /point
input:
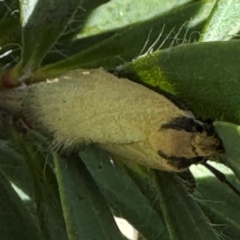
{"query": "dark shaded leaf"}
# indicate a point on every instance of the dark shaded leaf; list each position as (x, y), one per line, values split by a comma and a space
(46, 196)
(217, 195)
(183, 217)
(86, 214)
(124, 196)
(12, 164)
(226, 228)
(43, 22)
(9, 23)
(230, 135)
(15, 221)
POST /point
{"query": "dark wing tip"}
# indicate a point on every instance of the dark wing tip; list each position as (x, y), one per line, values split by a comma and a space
(183, 123)
(180, 162)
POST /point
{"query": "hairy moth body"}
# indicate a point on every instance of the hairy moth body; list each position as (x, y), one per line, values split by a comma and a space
(122, 117)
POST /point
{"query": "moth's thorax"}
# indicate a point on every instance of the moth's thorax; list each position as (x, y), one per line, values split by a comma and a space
(179, 143)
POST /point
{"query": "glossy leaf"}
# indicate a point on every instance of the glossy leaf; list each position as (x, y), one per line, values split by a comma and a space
(230, 135)
(40, 31)
(12, 164)
(160, 32)
(223, 22)
(15, 221)
(86, 214)
(46, 196)
(183, 216)
(218, 196)
(118, 13)
(204, 75)
(225, 227)
(123, 195)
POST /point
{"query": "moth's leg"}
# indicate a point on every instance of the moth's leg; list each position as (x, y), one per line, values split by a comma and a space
(221, 177)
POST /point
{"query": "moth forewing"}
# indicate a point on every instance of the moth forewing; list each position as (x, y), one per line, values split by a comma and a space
(123, 117)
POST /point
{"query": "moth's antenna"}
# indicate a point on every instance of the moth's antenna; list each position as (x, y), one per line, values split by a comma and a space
(221, 177)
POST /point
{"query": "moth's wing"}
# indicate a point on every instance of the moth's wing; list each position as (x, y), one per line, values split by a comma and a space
(95, 106)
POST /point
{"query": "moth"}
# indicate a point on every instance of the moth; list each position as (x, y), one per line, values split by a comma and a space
(120, 116)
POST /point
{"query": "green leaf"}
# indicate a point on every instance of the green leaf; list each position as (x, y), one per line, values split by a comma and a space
(224, 21)
(204, 75)
(226, 228)
(46, 195)
(219, 196)
(43, 22)
(85, 211)
(183, 216)
(165, 30)
(10, 37)
(9, 23)
(118, 13)
(230, 135)
(12, 164)
(69, 44)
(124, 196)
(15, 221)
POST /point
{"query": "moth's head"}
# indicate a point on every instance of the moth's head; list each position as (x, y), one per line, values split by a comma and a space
(205, 141)
(184, 141)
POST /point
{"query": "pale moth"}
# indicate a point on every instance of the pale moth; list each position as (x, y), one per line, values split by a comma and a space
(122, 117)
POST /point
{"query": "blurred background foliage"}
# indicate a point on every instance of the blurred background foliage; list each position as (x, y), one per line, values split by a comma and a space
(187, 48)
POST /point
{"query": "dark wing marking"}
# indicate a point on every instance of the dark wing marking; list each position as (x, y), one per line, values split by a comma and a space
(180, 162)
(183, 123)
